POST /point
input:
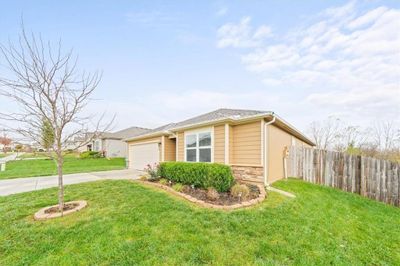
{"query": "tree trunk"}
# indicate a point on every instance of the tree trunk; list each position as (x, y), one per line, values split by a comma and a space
(60, 183)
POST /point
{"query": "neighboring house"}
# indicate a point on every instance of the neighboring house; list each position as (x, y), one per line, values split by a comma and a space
(251, 142)
(112, 144)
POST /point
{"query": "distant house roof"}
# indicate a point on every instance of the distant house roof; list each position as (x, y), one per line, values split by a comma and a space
(125, 133)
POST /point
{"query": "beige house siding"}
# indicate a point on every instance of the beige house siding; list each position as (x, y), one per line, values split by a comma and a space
(219, 144)
(169, 149)
(181, 143)
(245, 152)
(301, 143)
(246, 144)
(277, 140)
(230, 144)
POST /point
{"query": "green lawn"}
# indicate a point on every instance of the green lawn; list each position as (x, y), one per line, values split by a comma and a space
(41, 167)
(126, 223)
(34, 155)
(5, 154)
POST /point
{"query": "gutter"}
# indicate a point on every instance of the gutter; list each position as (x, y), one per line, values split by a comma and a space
(266, 149)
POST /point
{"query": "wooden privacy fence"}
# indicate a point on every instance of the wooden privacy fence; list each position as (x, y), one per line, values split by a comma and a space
(369, 177)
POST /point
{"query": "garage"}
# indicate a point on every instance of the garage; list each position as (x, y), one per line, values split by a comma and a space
(141, 155)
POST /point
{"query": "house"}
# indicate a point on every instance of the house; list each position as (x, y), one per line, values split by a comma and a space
(112, 144)
(251, 142)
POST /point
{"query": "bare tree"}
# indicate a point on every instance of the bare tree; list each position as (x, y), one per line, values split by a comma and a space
(385, 137)
(324, 133)
(47, 136)
(349, 136)
(45, 86)
(380, 141)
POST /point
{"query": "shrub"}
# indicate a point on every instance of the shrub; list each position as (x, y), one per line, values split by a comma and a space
(202, 175)
(163, 181)
(69, 151)
(153, 171)
(186, 189)
(90, 154)
(212, 194)
(178, 187)
(240, 191)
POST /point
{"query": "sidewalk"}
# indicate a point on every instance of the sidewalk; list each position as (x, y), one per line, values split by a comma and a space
(19, 185)
(11, 157)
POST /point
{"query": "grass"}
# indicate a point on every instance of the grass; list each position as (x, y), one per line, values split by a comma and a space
(30, 155)
(43, 167)
(126, 223)
(41, 155)
(2, 155)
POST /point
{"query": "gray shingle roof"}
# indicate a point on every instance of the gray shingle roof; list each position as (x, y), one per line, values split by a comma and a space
(126, 133)
(211, 116)
(220, 114)
(159, 129)
(217, 115)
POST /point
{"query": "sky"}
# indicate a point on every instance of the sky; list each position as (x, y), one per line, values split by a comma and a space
(165, 61)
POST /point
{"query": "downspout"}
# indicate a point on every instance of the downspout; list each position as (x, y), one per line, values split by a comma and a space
(266, 150)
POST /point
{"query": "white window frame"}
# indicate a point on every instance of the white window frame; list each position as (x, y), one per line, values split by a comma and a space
(197, 132)
(97, 145)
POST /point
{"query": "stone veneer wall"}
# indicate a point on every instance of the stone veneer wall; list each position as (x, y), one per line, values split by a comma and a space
(250, 173)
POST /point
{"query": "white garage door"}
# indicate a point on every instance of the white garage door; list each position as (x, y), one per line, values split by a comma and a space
(143, 154)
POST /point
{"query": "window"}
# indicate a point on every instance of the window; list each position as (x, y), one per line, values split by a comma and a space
(198, 147)
(96, 145)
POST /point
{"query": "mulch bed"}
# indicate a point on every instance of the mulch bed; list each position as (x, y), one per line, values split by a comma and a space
(225, 198)
(51, 212)
(67, 207)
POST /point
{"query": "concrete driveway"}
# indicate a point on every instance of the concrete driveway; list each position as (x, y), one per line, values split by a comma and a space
(10, 157)
(18, 185)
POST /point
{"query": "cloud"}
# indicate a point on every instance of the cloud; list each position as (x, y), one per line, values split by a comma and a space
(340, 12)
(222, 11)
(242, 35)
(368, 18)
(344, 59)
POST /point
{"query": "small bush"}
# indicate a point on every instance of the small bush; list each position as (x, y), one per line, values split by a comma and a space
(240, 191)
(178, 187)
(153, 171)
(186, 189)
(90, 155)
(202, 175)
(163, 181)
(212, 194)
(143, 178)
